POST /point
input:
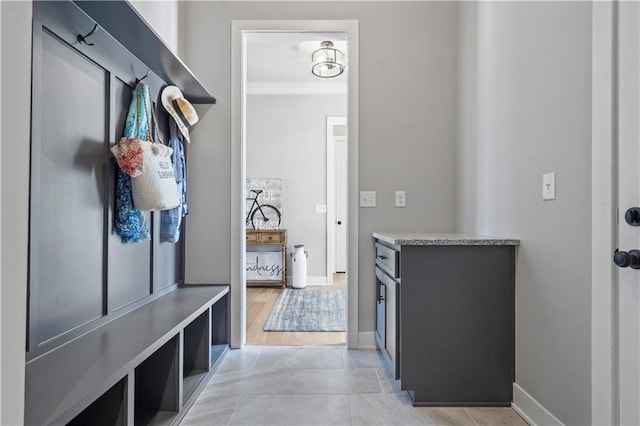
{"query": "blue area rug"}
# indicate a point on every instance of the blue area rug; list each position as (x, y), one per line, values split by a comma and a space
(308, 310)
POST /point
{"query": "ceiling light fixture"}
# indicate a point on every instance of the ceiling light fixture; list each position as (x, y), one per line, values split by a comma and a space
(327, 62)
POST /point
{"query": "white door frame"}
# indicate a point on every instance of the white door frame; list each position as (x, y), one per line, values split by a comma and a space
(238, 155)
(604, 305)
(331, 218)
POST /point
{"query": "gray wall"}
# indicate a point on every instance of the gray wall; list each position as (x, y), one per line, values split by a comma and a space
(286, 138)
(15, 130)
(407, 129)
(524, 110)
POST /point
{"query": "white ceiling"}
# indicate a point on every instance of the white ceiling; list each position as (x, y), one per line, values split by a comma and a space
(284, 58)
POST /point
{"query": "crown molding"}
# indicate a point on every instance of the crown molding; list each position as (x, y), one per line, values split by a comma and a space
(296, 88)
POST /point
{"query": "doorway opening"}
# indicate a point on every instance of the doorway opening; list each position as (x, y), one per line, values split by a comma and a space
(337, 182)
(238, 233)
(288, 166)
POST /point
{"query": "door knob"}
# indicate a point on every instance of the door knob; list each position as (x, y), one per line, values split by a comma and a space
(626, 259)
(632, 216)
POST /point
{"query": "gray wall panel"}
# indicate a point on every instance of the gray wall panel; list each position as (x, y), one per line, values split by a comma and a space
(166, 260)
(129, 272)
(68, 191)
(80, 270)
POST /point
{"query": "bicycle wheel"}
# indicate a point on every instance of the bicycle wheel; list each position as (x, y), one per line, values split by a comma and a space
(265, 217)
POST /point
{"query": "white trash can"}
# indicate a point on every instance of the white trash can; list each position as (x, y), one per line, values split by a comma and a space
(299, 259)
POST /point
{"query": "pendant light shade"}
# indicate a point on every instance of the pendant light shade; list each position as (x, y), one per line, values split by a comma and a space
(327, 62)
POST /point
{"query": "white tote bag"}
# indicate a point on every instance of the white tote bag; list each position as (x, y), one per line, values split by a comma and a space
(155, 188)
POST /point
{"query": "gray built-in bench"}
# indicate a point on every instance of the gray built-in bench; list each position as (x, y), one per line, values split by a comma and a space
(113, 337)
(144, 367)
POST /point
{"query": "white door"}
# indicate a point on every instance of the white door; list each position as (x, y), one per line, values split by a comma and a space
(341, 204)
(628, 196)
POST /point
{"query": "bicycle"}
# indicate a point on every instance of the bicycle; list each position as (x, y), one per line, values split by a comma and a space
(268, 214)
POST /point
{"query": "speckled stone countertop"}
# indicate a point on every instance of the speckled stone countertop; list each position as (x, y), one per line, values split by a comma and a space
(426, 239)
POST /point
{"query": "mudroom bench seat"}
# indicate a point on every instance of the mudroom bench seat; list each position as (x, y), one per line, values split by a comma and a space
(145, 367)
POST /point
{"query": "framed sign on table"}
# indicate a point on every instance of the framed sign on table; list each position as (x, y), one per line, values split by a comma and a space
(266, 262)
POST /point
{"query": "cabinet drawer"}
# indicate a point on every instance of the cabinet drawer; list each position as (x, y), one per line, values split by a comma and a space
(387, 259)
(252, 237)
(271, 238)
(384, 278)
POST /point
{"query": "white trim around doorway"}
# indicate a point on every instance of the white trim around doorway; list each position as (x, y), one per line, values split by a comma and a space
(238, 146)
(604, 313)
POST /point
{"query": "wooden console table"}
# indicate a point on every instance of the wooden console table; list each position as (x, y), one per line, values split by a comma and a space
(262, 266)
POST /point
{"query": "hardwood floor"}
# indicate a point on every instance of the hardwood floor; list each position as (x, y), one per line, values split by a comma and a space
(260, 301)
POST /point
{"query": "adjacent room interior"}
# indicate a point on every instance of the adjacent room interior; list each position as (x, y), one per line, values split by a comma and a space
(296, 161)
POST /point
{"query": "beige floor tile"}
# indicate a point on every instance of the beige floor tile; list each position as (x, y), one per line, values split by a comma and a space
(211, 410)
(495, 416)
(383, 409)
(292, 410)
(320, 385)
(299, 357)
(455, 416)
(331, 381)
(362, 358)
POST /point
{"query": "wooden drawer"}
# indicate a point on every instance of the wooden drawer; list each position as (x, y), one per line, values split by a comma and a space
(387, 259)
(275, 237)
(252, 237)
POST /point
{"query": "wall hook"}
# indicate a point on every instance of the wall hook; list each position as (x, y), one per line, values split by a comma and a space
(138, 80)
(83, 38)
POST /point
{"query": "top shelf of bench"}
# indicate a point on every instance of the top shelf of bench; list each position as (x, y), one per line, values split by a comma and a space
(80, 371)
(126, 25)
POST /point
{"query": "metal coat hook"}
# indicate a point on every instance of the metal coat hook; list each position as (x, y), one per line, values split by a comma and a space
(83, 38)
(138, 80)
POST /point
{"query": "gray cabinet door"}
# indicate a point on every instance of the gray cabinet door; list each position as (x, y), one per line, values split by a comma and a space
(380, 311)
(391, 342)
(388, 319)
(457, 324)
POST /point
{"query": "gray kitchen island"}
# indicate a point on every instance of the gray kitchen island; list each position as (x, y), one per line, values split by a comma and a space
(445, 316)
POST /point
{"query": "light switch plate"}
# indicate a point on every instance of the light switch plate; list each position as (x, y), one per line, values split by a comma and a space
(367, 198)
(401, 199)
(549, 186)
(321, 208)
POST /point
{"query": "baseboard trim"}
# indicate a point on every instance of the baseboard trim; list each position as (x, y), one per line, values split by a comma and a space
(531, 410)
(366, 340)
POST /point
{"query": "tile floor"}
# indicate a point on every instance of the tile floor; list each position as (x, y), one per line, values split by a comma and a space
(276, 385)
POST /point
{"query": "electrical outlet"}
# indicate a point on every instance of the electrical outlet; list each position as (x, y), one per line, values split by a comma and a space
(401, 199)
(549, 186)
(367, 198)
